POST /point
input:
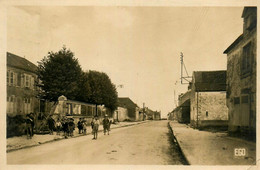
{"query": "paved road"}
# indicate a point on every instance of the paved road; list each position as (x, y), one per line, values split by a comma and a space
(147, 144)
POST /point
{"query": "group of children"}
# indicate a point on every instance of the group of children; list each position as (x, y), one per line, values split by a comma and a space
(95, 125)
(67, 125)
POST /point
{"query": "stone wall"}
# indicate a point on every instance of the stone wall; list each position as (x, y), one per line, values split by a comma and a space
(239, 86)
(208, 107)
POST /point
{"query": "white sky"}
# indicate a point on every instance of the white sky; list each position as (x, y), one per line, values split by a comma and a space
(138, 47)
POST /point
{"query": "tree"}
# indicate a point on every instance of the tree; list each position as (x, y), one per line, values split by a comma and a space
(102, 91)
(59, 73)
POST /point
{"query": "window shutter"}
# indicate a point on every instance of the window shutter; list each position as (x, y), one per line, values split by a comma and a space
(22, 80)
(32, 82)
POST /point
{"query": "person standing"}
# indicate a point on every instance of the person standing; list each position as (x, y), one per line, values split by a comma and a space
(58, 126)
(29, 128)
(51, 123)
(80, 126)
(106, 125)
(95, 127)
(84, 126)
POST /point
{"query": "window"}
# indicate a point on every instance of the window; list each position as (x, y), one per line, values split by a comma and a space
(244, 99)
(11, 105)
(11, 78)
(236, 100)
(26, 100)
(246, 63)
(7, 77)
(26, 80)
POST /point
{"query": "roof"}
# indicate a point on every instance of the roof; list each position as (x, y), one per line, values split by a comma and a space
(233, 44)
(126, 102)
(210, 80)
(247, 11)
(20, 62)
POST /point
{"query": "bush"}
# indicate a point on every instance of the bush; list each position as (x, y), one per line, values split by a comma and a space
(15, 126)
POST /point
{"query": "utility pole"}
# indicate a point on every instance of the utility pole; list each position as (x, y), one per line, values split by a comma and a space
(181, 66)
(187, 78)
(143, 110)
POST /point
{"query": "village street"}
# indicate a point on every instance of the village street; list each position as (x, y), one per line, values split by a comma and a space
(148, 143)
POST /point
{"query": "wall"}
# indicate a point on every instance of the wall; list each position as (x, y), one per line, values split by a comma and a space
(211, 109)
(21, 99)
(240, 86)
(121, 114)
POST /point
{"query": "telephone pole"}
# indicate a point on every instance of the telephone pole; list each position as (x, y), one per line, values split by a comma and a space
(143, 110)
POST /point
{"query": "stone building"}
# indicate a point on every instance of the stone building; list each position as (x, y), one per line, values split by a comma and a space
(157, 115)
(208, 99)
(120, 114)
(21, 90)
(241, 76)
(132, 108)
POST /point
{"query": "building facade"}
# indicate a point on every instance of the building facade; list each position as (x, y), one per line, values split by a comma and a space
(208, 99)
(241, 76)
(132, 108)
(120, 114)
(21, 89)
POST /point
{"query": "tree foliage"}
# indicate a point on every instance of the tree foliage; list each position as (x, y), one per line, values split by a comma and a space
(59, 73)
(102, 90)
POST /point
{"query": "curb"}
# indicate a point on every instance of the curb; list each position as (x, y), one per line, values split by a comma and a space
(58, 139)
(188, 162)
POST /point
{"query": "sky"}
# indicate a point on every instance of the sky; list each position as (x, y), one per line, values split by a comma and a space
(138, 47)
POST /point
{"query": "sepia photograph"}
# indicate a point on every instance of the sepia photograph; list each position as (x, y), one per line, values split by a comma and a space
(131, 85)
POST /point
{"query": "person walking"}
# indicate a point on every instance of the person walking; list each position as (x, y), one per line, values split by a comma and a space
(80, 127)
(95, 127)
(29, 127)
(65, 127)
(71, 126)
(106, 125)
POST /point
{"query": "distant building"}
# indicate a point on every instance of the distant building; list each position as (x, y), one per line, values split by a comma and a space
(120, 114)
(183, 110)
(132, 108)
(241, 76)
(21, 90)
(156, 115)
(208, 99)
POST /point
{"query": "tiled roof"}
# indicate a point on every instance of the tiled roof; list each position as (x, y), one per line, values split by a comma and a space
(209, 80)
(126, 102)
(20, 62)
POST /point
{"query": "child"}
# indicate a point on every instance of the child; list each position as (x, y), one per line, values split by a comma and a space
(58, 126)
(84, 126)
(95, 127)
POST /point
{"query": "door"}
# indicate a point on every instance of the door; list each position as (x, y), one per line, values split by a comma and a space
(245, 110)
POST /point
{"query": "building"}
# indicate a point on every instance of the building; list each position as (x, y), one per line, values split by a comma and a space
(241, 76)
(21, 90)
(157, 115)
(208, 99)
(132, 108)
(120, 114)
(183, 111)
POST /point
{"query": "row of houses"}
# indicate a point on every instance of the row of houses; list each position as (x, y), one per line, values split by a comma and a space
(22, 97)
(225, 97)
(128, 110)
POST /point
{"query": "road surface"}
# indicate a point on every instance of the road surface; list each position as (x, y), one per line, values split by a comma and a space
(144, 144)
